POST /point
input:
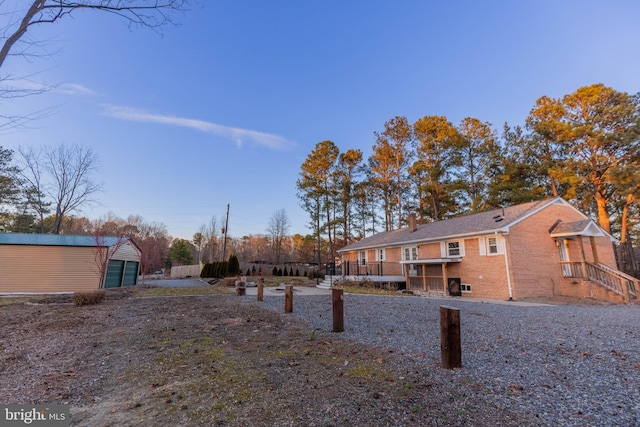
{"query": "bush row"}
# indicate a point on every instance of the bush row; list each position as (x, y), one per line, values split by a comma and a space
(221, 269)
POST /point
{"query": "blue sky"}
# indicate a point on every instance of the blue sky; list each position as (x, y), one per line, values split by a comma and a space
(224, 108)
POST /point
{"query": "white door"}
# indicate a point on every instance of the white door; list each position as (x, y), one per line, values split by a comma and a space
(564, 256)
(411, 254)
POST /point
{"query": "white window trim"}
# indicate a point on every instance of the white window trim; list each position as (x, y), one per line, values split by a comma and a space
(485, 249)
(444, 248)
(381, 254)
(413, 253)
(362, 260)
(465, 287)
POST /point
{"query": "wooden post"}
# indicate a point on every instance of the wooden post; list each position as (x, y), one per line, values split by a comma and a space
(584, 275)
(288, 298)
(450, 348)
(594, 250)
(240, 288)
(260, 289)
(337, 298)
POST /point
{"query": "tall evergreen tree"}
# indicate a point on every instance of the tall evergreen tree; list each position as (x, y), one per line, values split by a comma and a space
(476, 151)
(345, 177)
(596, 129)
(434, 140)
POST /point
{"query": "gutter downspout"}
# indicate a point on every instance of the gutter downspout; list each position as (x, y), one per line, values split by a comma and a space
(506, 263)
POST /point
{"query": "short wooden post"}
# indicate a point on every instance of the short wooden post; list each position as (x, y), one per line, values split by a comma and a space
(337, 298)
(240, 288)
(450, 347)
(288, 298)
(260, 289)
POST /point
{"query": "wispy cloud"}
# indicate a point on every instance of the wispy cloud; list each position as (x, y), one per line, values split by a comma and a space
(237, 135)
(74, 89)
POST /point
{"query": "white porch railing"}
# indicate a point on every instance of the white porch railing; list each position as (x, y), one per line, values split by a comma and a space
(614, 280)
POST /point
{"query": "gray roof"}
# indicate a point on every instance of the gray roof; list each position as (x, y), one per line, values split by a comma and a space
(583, 228)
(55, 240)
(571, 227)
(476, 224)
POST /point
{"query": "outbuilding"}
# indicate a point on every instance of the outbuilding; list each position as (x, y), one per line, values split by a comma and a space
(49, 263)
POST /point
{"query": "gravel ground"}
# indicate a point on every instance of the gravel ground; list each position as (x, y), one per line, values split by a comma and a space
(564, 364)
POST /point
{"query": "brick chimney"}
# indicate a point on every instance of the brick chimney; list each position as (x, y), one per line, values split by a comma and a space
(413, 226)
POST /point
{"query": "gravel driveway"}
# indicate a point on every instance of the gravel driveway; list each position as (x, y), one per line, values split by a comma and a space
(565, 364)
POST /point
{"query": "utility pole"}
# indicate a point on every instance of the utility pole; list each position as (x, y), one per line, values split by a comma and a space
(226, 230)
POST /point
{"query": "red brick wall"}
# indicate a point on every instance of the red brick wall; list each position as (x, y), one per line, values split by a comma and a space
(533, 258)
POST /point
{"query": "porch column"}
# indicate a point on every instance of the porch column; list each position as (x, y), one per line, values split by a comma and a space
(406, 275)
(444, 278)
(594, 249)
(584, 260)
(423, 267)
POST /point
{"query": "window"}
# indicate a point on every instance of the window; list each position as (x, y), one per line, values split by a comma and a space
(380, 255)
(465, 287)
(453, 249)
(491, 245)
(410, 253)
(362, 257)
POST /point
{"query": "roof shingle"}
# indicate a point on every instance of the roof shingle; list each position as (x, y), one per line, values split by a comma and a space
(480, 223)
(55, 240)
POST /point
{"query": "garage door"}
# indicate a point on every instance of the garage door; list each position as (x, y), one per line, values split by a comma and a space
(130, 274)
(114, 274)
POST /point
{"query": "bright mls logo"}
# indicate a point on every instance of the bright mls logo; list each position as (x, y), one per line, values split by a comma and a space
(35, 415)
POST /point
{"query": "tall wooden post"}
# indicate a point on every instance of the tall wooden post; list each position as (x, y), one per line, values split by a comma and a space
(594, 250)
(288, 298)
(260, 289)
(450, 347)
(337, 298)
(584, 275)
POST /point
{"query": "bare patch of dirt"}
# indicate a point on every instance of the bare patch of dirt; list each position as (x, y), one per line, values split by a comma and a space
(211, 360)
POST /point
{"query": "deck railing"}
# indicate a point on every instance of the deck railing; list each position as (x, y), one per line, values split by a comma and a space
(370, 268)
(614, 280)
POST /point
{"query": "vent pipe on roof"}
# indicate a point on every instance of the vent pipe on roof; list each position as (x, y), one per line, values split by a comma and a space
(413, 226)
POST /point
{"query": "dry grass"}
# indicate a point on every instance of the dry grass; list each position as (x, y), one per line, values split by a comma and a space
(214, 360)
(89, 297)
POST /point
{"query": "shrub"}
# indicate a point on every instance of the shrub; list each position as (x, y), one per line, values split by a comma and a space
(297, 273)
(233, 266)
(88, 297)
(248, 272)
(275, 271)
(279, 272)
(285, 273)
(290, 271)
(305, 274)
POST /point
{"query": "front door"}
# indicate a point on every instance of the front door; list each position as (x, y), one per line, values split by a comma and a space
(411, 254)
(564, 257)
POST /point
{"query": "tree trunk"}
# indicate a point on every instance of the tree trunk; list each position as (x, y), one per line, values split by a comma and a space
(603, 217)
(625, 218)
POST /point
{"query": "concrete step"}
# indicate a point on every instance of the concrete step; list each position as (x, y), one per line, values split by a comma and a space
(325, 284)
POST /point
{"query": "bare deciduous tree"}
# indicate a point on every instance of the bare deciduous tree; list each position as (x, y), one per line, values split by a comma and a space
(63, 177)
(16, 18)
(103, 252)
(277, 229)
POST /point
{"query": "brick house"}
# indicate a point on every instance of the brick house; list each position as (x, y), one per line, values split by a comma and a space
(541, 248)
